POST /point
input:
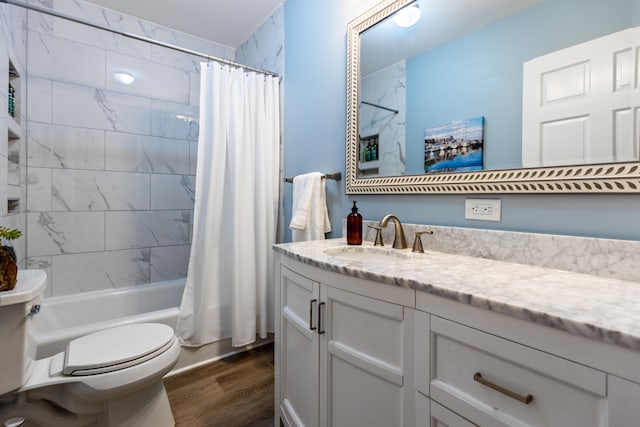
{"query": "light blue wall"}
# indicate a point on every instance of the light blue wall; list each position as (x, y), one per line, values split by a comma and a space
(314, 127)
(481, 74)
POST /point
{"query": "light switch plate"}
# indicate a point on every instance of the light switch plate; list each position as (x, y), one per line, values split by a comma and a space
(482, 209)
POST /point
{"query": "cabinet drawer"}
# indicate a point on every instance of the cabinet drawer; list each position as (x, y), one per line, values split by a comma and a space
(432, 414)
(489, 381)
(442, 417)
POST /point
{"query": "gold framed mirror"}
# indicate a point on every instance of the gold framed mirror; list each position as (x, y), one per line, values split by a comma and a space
(617, 173)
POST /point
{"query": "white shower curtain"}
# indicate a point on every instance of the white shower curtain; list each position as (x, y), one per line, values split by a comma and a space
(230, 278)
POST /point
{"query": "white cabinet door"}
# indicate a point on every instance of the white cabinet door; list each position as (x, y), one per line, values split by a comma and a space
(366, 362)
(342, 359)
(580, 104)
(298, 349)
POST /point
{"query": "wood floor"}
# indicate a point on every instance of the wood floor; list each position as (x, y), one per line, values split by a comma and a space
(237, 391)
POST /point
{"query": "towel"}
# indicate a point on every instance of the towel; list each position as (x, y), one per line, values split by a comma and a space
(309, 215)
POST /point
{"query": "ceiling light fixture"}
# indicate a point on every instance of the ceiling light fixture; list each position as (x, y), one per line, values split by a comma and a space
(123, 77)
(407, 16)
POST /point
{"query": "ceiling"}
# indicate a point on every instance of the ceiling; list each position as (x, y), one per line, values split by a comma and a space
(227, 22)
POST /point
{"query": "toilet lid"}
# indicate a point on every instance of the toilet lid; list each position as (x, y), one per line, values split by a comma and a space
(116, 348)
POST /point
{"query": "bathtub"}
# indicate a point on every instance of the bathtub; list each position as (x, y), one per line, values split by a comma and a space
(64, 318)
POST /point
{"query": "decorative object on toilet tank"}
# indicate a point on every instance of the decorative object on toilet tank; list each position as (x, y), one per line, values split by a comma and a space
(8, 260)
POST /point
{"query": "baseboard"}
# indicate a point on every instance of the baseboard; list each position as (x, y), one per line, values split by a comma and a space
(194, 357)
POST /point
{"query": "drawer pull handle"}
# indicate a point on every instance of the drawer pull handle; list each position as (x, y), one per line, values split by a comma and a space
(311, 327)
(320, 330)
(477, 377)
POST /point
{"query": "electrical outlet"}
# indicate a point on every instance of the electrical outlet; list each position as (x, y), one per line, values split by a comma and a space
(482, 209)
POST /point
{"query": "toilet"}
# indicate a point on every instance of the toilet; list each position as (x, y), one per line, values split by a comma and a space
(108, 378)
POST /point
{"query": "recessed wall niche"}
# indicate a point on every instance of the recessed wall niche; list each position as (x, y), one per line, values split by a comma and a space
(13, 206)
(13, 107)
(13, 159)
(14, 137)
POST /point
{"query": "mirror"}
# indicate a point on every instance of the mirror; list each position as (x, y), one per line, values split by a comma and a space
(498, 96)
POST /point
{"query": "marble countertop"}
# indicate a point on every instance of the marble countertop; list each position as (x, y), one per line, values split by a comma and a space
(600, 308)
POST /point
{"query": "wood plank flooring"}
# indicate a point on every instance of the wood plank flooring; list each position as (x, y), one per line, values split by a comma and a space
(237, 391)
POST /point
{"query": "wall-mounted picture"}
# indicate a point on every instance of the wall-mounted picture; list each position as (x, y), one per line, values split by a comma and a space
(455, 146)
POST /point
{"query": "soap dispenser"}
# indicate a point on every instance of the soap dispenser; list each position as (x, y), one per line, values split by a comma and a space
(354, 226)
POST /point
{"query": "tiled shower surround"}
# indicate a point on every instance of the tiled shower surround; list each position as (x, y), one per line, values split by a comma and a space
(386, 87)
(110, 167)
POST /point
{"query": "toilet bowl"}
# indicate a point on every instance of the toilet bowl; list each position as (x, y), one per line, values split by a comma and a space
(108, 378)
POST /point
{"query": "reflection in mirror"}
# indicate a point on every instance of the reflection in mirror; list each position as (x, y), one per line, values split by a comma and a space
(554, 80)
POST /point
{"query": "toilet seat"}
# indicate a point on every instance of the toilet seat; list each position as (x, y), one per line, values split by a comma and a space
(120, 358)
(115, 348)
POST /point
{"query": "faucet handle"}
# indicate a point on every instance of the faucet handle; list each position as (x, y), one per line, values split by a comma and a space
(417, 244)
(378, 240)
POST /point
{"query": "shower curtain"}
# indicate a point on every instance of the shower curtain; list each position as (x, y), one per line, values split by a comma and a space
(230, 276)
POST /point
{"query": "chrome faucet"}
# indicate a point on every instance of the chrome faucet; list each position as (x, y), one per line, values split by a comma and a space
(399, 242)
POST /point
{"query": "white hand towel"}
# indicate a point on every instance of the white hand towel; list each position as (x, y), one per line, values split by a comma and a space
(309, 215)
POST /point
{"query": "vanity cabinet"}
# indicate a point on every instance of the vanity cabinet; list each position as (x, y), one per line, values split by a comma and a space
(343, 358)
(496, 371)
(354, 352)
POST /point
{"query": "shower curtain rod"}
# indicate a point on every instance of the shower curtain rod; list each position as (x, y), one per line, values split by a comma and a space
(379, 106)
(136, 37)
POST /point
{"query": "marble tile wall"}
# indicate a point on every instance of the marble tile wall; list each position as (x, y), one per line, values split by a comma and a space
(265, 48)
(386, 87)
(13, 168)
(110, 166)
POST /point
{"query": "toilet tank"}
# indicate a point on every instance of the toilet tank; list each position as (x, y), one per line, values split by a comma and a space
(17, 330)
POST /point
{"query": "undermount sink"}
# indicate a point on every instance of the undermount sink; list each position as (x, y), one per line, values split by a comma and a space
(368, 253)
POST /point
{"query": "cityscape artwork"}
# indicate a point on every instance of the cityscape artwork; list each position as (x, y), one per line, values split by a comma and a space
(456, 146)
